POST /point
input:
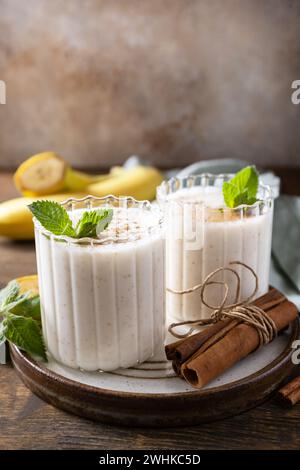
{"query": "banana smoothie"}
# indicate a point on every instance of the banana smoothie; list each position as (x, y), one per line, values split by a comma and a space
(204, 234)
(102, 299)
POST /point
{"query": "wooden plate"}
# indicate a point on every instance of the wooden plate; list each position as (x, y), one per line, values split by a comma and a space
(150, 395)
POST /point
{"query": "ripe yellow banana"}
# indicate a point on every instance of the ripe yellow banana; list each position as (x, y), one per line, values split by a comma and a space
(47, 173)
(16, 219)
(139, 182)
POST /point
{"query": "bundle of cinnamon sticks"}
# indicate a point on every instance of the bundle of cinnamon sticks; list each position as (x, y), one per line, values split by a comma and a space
(289, 395)
(205, 355)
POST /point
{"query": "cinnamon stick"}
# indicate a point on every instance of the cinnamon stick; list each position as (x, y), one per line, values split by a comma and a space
(235, 345)
(270, 300)
(170, 349)
(215, 338)
(177, 368)
(289, 395)
(181, 350)
(214, 334)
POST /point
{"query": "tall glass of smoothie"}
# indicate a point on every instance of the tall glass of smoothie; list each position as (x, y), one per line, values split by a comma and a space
(203, 234)
(102, 299)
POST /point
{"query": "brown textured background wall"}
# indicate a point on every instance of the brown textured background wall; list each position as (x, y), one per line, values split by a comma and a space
(172, 80)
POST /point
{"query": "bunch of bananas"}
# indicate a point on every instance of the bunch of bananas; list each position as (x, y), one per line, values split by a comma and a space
(48, 176)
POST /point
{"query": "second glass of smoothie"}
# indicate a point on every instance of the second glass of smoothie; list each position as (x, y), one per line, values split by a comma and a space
(203, 234)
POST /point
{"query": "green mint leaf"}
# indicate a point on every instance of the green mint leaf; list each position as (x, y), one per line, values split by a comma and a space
(12, 305)
(230, 193)
(105, 220)
(93, 222)
(2, 335)
(242, 188)
(53, 217)
(25, 333)
(247, 180)
(251, 200)
(27, 307)
(9, 294)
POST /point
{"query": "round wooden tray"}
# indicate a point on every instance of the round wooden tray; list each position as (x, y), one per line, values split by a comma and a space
(150, 395)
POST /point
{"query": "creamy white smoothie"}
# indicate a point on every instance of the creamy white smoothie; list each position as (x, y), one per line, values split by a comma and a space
(202, 234)
(102, 300)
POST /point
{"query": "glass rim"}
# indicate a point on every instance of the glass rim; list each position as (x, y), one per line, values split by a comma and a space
(162, 192)
(68, 204)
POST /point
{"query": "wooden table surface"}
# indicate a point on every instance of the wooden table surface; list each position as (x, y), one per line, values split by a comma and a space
(26, 422)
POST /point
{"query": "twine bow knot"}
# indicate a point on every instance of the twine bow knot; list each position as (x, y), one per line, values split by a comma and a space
(240, 310)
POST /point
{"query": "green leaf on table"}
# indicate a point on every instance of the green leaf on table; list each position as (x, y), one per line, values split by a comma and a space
(28, 307)
(53, 217)
(15, 303)
(242, 188)
(21, 320)
(9, 294)
(25, 332)
(2, 334)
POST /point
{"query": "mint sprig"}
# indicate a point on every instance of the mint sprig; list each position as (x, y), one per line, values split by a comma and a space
(54, 218)
(20, 320)
(242, 188)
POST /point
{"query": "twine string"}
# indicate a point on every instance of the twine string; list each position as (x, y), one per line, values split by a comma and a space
(243, 311)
